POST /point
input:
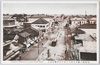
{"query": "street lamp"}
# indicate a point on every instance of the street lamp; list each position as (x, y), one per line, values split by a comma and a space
(39, 37)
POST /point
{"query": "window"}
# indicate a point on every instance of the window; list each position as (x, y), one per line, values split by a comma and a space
(40, 26)
(43, 26)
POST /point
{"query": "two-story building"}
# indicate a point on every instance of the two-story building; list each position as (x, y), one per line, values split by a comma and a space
(28, 37)
(41, 24)
(78, 20)
(85, 44)
(9, 23)
(92, 20)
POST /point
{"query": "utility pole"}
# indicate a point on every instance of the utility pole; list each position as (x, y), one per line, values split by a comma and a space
(48, 52)
(38, 42)
(38, 48)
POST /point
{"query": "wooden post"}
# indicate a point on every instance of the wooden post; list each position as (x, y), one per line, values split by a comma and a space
(48, 52)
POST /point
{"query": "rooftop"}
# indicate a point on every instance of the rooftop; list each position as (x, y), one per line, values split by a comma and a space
(24, 34)
(79, 31)
(9, 36)
(86, 46)
(93, 18)
(40, 21)
(88, 26)
(78, 19)
(39, 16)
(27, 32)
(7, 18)
(84, 37)
(32, 31)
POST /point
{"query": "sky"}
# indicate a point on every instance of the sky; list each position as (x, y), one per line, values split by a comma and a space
(50, 8)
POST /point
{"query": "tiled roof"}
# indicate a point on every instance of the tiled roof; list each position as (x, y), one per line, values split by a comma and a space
(18, 30)
(79, 31)
(88, 26)
(40, 21)
(7, 18)
(9, 36)
(93, 18)
(32, 31)
(5, 31)
(24, 34)
(29, 31)
(78, 19)
(85, 37)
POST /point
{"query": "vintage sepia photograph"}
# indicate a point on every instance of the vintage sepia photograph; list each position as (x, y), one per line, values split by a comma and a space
(49, 31)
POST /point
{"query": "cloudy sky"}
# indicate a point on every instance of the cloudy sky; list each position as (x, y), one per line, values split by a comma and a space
(50, 8)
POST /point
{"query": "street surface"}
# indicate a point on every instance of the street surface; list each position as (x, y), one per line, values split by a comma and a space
(45, 51)
(57, 52)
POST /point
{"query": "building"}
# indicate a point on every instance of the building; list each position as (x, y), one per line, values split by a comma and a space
(23, 39)
(11, 47)
(11, 50)
(92, 20)
(28, 37)
(22, 21)
(89, 29)
(41, 24)
(34, 33)
(78, 20)
(21, 18)
(8, 36)
(85, 44)
(9, 23)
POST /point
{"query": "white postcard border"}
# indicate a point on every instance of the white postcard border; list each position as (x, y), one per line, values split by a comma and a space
(50, 62)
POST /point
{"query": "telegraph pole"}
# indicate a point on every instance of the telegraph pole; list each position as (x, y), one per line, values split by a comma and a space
(38, 48)
(39, 40)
